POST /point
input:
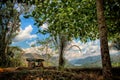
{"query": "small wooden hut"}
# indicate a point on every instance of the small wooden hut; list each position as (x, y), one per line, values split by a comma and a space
(33, 62)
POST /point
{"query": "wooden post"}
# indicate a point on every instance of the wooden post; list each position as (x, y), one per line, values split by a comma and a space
(40, 64)
(29, 63)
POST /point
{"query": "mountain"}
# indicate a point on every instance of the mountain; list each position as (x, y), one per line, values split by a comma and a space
(94, 61)
(86, 60)
(115, 58)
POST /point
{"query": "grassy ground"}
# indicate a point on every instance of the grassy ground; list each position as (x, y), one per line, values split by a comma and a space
(52, 73)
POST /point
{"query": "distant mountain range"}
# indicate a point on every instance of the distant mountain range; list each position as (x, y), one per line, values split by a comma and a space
(85, 60)
(94, 61)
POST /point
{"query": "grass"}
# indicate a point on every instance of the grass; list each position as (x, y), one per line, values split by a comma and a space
(53, 74)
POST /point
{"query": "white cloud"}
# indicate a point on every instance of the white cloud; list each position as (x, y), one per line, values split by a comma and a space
(91, 48)
(44, 26)
(32, 43)
(25, 34)
(38, 50)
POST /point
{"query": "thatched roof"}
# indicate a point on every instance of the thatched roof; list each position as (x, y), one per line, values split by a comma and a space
(34, 59)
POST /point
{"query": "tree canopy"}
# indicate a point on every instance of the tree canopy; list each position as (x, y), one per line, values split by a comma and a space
(76, 18)
(68, 18)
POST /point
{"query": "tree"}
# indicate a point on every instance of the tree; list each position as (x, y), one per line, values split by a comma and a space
(62, 18)
(112, 13)
(62, 45)
(14, 56)
(106, 63)
(59, 44)
(9, 25)
(116, 43)
(46, 44)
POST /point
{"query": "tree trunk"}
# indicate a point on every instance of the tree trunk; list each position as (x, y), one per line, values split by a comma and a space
(3, 51)
(106, 63)
(61, 52)
(61, 60)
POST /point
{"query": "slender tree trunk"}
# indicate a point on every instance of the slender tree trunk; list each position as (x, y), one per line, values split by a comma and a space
(61, 52)
(3, 57)
(106, 63)
(61, 60)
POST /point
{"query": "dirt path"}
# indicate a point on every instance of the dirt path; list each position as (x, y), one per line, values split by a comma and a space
(10, 69)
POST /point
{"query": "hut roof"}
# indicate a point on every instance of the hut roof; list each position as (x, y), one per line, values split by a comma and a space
(34, 59)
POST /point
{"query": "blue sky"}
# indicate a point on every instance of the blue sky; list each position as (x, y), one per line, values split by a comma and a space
(27, 35)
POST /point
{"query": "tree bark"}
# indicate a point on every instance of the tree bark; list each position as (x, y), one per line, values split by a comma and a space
(61, 60)
(61, 52)
(3, 51)
(106, 63)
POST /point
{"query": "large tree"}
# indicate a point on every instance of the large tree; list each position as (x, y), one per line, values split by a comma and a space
(66, 20)
(9, 25)
(106, 63)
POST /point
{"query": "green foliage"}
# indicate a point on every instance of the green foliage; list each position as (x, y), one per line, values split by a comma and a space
(116, 64)
(116, 43)
(71, 18)
(9, 25)
(15, 56)
(76, 19)
(112, 14)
